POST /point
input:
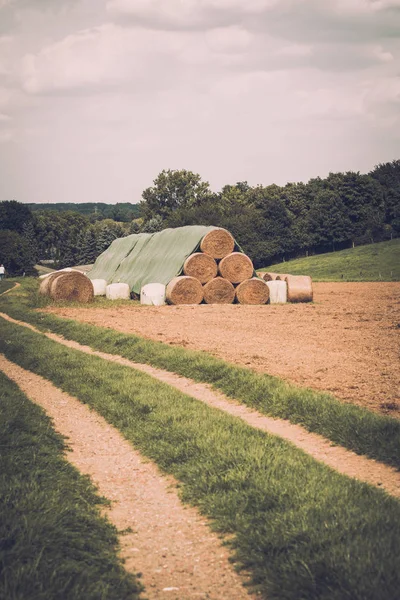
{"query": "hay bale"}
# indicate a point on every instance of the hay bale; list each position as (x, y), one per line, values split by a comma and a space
(72, 286)
(184, 290)
(217, 243)
(44, 288)
(118, 291)
(236, 267)
(201, 266)
(252, 291)
(153, 294)
(277, 292)
(299, 288)
(281, 276)
(270, 276)
(99, 287)
(219, 291)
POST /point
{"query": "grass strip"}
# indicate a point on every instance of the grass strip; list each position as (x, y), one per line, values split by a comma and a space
(348, 425)
(374, 262)
(5, 285)
(301, 529)
(54, 543)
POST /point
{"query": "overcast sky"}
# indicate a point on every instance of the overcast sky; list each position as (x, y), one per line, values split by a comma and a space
(98, 96)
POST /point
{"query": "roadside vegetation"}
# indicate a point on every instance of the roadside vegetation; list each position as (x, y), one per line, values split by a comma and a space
(53, 542)
(375, 262)
(301, 529)
(6, 284)
(348, 425)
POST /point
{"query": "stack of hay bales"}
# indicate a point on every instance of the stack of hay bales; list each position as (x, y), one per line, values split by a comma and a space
(67, 285)
(217, 275)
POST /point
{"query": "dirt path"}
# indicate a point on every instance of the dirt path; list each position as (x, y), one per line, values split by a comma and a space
(342, 460)
(346, 343)
(171, 544)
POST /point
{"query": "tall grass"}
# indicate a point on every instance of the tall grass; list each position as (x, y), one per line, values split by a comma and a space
(375, 262)
(351, 426)
(54, 545)
(302, 530)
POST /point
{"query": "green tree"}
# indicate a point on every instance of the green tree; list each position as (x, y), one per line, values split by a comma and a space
(173, 190)
(15, 253)
(388, 176)
(14, 215)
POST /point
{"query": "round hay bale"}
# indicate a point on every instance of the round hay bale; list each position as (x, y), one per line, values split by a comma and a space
(277, 292)
(44, 288)
(270, 276)
(153, 294)
(218, 243)
(118, 291)
(281, 276)
(236, 267)
(299, 288)
(252, 291)
(99, 287)
(72, 286)
(184, 290)
(201, 266)
(219, 291)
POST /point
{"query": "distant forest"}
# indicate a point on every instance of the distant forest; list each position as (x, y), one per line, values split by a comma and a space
(122, 211)
(271, 223)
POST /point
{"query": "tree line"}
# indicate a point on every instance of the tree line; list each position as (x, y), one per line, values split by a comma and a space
(271, 223)
(275, 223)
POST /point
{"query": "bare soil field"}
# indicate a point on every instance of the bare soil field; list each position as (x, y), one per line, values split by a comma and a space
(346, 342)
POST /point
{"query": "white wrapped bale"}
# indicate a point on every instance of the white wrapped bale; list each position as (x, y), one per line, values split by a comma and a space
(277, 291)
(99, 287)
(153, 294)
(118, 291)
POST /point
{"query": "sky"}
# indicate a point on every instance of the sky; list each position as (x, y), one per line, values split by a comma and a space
(98, 96)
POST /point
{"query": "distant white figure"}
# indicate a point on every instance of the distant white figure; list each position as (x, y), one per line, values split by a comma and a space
(2, 271)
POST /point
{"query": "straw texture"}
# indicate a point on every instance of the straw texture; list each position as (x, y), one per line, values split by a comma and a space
(201, 266)
(72, 286)
(184, 290)
(236, 267)
(217, 243)
(219, 291)
(252, 291)
(299, 288)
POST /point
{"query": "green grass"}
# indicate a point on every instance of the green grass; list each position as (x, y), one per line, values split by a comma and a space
(54, 545)
(375, 262)
(302, 530)
(6, 284)
(348, 425)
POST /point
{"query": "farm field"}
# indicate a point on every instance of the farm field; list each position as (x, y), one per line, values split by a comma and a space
(297, 527)
(346, 342)
(373, 262)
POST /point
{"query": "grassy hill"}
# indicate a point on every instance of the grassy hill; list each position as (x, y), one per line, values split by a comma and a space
(375, 262)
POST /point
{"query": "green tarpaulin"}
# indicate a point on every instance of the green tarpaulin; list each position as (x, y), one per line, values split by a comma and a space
(149, 257)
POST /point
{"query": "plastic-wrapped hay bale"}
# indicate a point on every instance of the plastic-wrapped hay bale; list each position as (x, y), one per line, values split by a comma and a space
(281, 276)
(72, 286)
(44, 288)
(270, 276)
(219, 291)
(184, 290)
(118, 291)
(201, 266)
(236, 267)
(299, 288)
(153, 294)
(99, 287)
(252, 291)
(217, 243)
(277, 292)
